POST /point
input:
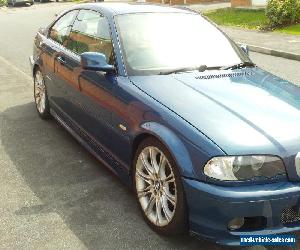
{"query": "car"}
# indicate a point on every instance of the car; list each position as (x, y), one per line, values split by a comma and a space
(14, 3)
(44, 1)
(208, 141)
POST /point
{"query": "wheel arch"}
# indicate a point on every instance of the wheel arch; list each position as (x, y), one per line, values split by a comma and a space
(35, 68)
(36, 63)
(171, 141)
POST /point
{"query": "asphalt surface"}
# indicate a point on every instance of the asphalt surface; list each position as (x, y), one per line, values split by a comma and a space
(53, 194)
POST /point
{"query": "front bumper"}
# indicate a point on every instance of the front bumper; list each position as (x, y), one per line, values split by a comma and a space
(212, 207)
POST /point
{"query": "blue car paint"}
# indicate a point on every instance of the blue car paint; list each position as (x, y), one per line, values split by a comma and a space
(209, 216)
(228, 115)
(166, 126)
(206, 117)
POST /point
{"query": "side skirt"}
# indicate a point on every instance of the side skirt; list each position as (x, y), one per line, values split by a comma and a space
(95, 149)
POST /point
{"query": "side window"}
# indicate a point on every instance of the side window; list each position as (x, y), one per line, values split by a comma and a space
(90, 32)
(61, 29)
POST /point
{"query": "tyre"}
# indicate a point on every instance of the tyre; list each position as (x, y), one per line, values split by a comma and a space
(40, 95)
(158, 188)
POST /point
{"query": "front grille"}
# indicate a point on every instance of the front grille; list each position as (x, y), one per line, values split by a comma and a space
(290, 215)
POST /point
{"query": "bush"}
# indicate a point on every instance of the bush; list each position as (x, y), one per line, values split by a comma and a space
(2, 2)
(283, 12)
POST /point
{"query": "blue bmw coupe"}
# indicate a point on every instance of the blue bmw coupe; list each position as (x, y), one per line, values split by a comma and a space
(208, 141)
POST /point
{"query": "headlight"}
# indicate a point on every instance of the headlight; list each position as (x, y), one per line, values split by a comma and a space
(232, 168)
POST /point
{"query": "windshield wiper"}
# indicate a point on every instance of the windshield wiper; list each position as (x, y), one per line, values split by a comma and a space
(239, 65)
(200, 68)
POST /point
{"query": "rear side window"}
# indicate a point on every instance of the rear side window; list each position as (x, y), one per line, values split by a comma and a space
(91, 32)
(61, 29)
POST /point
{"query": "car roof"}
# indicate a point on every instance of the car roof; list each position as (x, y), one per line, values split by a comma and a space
(126, 8)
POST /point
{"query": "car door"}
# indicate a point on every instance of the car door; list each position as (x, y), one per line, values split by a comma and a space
(56, 77)
(91, 104)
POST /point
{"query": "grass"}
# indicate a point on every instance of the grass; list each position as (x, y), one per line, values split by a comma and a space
(249, 19)
(292, 30)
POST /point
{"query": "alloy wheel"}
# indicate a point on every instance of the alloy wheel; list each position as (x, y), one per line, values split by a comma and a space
(156, 186)
(39, 92)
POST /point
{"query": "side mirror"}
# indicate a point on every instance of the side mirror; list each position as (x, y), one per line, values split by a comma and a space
(245, 48)
(95, 61)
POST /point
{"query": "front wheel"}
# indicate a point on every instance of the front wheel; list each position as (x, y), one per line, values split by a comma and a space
(158, 188)
(40, 95)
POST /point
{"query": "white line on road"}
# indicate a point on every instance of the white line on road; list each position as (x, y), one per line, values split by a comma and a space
(15, 68)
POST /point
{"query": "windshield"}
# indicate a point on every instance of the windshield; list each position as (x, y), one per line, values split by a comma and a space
(154, 43)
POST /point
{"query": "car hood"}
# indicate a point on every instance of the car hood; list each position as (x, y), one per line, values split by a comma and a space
(243, 111)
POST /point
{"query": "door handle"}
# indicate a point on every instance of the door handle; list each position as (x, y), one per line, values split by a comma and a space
(61, 60)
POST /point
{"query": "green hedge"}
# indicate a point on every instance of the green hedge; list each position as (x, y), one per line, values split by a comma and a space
(283, 12)
(2, 2)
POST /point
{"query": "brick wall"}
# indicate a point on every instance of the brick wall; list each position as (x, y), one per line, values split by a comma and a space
(199, 1)
(173, 2)
(177, 1)
(153, 1)
(240, 3)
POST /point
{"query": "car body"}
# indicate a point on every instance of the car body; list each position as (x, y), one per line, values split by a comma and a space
(197, 116)
(19, 2)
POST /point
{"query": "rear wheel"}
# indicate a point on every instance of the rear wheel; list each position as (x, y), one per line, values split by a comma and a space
(158, 188)
(40, 95)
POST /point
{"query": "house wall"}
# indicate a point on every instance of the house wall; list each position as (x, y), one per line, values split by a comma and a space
(248, 3)
(174, 2)
(259, 2)
(241, 3)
